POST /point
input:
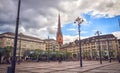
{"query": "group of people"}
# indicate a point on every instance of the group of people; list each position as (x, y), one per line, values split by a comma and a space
(6, 60)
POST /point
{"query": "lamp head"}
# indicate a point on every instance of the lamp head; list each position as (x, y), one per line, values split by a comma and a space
(74, 22)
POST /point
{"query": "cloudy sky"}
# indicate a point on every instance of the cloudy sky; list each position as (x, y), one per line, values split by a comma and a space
(39, 18)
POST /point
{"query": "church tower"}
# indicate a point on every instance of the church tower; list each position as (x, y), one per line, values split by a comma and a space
(59, 36)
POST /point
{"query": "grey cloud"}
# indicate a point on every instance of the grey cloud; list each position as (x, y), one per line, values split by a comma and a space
(51, 30)
(7, 12)
(38, 14)
(6, 28)
(108, 7)
(40, 3)
(109, 4)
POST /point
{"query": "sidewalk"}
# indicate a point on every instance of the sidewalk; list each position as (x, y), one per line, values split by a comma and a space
(55, 67)
(85, 68)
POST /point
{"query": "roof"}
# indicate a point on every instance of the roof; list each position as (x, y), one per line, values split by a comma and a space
(96, 37)
(49, 40)
(92, 39)
(21, 34)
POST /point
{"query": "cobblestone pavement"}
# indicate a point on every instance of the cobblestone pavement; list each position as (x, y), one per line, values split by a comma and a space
(65, 67)
(114, 68)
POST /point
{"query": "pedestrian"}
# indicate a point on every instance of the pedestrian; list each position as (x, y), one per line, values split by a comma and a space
(60, 59)
(7, 59)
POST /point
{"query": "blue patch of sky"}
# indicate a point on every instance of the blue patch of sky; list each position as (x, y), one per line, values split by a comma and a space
(66, 27)
(104, 24)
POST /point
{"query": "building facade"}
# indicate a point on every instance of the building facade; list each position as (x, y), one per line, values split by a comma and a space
(24, 42)
(51, 45)
(108, 45)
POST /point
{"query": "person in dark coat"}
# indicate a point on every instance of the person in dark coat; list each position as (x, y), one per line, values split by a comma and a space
(60, 59)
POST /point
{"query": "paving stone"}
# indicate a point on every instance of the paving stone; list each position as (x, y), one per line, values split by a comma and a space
(65, 67)
(64, 72)
(104, 71)
(40, 71)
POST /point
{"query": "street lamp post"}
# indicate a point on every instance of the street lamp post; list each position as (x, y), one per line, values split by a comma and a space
(118, 47)
(98, 33)
(66, 54)
(79, 21)
(15, 40)
(13, 65)
(118, 53)
(0, 56)
(19, 48)
(109, 51)
(48, 49)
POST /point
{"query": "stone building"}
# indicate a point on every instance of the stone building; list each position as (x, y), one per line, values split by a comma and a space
(108, 45)
(72, 47)
(119, 44)
(51, 44)
(24, 42)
